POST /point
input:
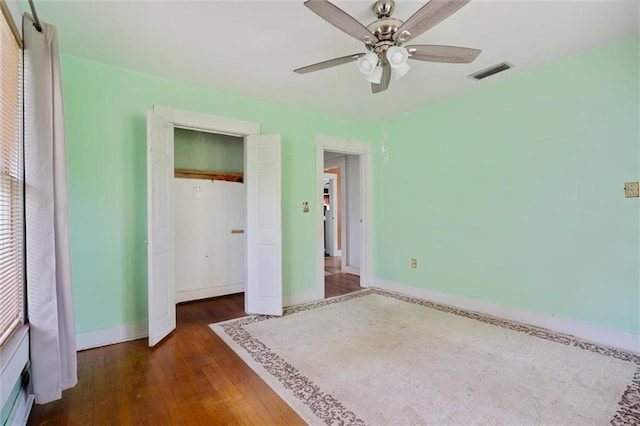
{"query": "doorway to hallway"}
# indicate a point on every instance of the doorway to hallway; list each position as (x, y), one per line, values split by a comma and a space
(350, 161)
(342, 211)
(337, 282)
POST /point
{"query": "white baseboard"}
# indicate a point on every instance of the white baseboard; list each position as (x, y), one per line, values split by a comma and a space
(109, 336)
(14, 356)
(25, 403)
(597, 334)
(352, 270)
(204, 293)
(138, 330)
(303, 297)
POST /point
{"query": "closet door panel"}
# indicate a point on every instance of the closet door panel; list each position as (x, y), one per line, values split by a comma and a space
(233, 194)
(209, 257)
(193, 198)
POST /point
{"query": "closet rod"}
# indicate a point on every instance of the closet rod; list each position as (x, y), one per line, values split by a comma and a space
(36, 21)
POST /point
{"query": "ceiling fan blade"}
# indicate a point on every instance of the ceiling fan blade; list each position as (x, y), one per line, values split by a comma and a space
(384, 81)
(328, 64)
(341, 19)
(427, 17)
(448, 54)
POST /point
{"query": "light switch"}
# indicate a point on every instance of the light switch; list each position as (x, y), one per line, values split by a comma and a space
(631, 189)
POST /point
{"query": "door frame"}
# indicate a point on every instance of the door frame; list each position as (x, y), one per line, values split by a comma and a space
(208, 123)
(333, 192)
(364, 152)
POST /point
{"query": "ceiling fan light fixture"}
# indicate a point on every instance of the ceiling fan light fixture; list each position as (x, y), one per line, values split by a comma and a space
(397, 57)
(375, 76)
(368, 63)
(399, 72)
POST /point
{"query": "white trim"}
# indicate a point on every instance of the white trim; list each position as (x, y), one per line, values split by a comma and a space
(14, 355)
(341, 163)
(188, 120)
(333, 183)
(16, 15)
(109, 336)
(597, 334)
(204, 293)
(349, 147)
(23, 409)
(303, 297)
(210, 123)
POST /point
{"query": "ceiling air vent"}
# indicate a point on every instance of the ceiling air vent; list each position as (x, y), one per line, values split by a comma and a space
(494, 69)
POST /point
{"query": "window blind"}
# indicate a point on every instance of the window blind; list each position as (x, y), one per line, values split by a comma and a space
(11, 179)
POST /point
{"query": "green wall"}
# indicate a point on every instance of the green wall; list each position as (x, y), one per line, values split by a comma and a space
(208, 151)
(105, 115)
(514, 193)
(511, 193)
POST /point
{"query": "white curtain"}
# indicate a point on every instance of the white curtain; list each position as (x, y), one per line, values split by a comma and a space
(49, 298)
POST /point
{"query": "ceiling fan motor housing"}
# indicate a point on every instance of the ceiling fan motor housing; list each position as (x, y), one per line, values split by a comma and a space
(383, 29)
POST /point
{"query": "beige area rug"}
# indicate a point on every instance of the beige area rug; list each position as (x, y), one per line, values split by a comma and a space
(380, 358)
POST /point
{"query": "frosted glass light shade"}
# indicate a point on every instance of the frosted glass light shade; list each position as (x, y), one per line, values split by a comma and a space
(397, 57)
(399, 71)
(368, 63)
(375, 76)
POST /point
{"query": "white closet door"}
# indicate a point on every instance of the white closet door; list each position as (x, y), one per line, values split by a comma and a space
(234, 201)
(160, 232)
(263, 294)
(209, 254)
(194, 229)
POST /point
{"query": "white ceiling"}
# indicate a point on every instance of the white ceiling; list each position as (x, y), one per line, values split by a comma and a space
(251, 47)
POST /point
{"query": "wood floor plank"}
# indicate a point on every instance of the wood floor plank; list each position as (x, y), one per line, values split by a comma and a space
(190, 378)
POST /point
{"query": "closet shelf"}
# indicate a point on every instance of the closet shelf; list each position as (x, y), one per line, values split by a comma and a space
(206, 174)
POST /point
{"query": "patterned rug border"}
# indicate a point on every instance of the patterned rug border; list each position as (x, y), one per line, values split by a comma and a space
(333, 412)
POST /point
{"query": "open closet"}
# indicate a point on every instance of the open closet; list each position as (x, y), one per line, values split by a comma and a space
(210, 204)
(209, 235)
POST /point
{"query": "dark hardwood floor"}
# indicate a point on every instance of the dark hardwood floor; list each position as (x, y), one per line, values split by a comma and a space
(336, 282)
(190, 378)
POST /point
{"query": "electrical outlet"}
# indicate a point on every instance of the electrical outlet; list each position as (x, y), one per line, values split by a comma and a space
(631, 190)
(414, 263)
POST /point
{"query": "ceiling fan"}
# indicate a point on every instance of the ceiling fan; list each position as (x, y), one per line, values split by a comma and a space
(385, 38)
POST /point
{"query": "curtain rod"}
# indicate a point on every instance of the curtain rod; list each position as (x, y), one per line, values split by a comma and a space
(36, 21)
